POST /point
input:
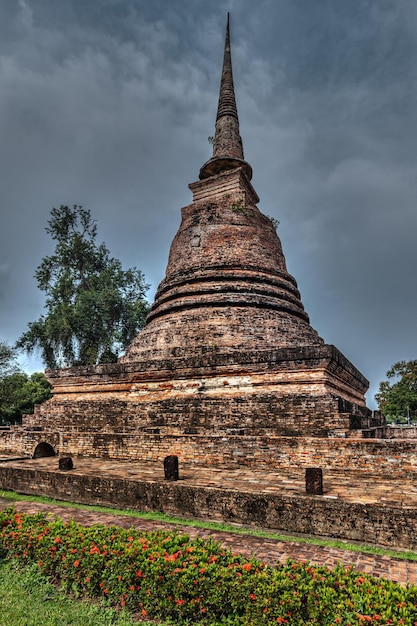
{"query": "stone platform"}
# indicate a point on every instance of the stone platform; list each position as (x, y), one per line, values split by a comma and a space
(355, 506)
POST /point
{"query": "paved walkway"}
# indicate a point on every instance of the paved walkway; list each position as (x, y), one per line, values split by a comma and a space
(268, 550)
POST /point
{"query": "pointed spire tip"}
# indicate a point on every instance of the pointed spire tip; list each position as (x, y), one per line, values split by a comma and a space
(227, 146)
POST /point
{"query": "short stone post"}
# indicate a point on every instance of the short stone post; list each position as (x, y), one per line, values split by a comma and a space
(171, 467)
(65, 463)
(314, 481)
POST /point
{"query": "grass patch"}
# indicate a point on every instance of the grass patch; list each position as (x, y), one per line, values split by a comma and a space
(29, 599)
(408, 555)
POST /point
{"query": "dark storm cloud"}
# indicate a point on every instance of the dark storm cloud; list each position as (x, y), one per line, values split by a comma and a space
(109, 104)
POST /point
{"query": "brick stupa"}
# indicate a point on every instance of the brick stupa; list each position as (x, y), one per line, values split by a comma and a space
(228, 369)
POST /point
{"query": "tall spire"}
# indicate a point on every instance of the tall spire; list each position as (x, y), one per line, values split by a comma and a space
(227, 100)
(227, 145)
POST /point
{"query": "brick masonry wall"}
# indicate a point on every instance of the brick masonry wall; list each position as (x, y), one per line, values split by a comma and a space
(302, 514)
(402, 432)
(371, 456)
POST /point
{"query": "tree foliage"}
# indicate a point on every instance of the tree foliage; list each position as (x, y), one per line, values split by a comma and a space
(94, 308)
(19, 393)
(397, 396)
(8, 363)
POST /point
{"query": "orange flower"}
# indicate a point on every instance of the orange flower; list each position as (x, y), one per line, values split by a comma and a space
(76, 563)
(179, 602)
(213, 558)
(247, 567)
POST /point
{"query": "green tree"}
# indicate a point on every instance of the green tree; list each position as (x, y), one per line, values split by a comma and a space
(8, 362)
(94, 308)
(397, 397)
(19, 393)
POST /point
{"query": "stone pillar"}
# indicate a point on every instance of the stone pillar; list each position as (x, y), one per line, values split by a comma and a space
(171, 467)
(65, 463)
(314, 481)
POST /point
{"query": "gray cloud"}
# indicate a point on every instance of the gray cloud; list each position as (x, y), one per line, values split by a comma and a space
(109, 104)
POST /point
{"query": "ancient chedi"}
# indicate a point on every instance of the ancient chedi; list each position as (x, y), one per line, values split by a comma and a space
(228, 369)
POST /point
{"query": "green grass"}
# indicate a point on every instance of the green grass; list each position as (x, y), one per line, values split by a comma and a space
(408, 555)
(28, 599)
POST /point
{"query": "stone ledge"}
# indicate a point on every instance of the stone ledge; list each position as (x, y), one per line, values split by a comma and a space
(208, 358)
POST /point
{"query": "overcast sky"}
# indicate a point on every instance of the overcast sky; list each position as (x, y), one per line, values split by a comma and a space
(109, 104)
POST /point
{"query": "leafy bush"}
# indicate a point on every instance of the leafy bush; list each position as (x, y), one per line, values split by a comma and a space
(167, 575)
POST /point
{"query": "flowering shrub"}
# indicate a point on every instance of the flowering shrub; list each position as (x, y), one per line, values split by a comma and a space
(167, 575)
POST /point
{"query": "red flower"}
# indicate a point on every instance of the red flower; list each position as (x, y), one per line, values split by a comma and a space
(76, 563)
(213, 558)
(247, 567)
(179, 602)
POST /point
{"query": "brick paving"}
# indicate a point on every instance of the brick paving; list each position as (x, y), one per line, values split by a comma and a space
(268, 550)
